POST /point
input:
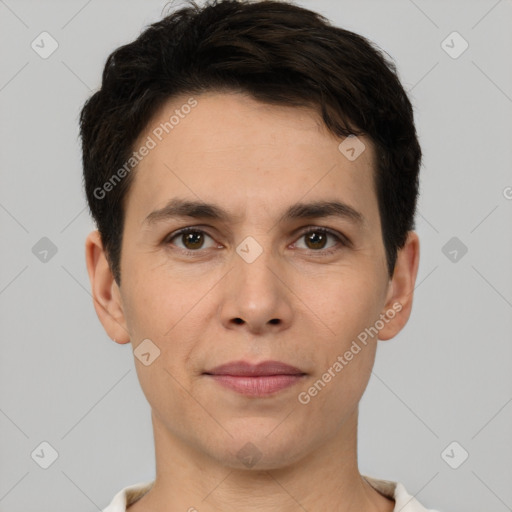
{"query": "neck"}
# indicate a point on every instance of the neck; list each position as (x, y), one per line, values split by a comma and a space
(327, 478)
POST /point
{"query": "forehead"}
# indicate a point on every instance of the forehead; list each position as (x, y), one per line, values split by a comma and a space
(250, 156)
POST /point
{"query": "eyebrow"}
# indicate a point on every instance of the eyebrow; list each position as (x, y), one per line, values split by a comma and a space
(177, 207)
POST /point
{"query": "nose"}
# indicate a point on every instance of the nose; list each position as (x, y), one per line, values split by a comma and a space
(256, 296)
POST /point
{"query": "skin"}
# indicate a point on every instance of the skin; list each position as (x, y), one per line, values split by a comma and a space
(295, 303)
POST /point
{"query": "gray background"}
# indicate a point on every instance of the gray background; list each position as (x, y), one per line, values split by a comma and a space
(446, 377)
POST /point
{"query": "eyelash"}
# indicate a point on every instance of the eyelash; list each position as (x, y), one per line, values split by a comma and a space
(341, 239)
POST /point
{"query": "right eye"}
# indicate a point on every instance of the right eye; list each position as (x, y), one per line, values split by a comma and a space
(191, 238)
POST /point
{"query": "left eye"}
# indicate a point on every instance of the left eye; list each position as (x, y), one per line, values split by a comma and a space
(315, 239)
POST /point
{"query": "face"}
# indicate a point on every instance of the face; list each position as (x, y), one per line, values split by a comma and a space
(266, 272)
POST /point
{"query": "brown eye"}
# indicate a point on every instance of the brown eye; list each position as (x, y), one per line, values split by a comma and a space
(317, 238)
(192, 239)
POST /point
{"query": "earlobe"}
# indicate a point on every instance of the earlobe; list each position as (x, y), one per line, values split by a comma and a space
(104, 290)
(401, 288)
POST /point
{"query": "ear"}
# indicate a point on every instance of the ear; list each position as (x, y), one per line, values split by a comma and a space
(401, 288)
(105, 292)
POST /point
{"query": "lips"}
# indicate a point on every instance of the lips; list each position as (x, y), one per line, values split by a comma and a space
(265, 368)
(256, 380)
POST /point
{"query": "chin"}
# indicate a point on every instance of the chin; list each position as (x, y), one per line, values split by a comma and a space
(257, 450)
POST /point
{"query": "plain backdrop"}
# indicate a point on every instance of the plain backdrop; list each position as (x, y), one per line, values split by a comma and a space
(441, 390)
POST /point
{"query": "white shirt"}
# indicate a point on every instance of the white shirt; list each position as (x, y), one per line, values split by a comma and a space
(404, 502)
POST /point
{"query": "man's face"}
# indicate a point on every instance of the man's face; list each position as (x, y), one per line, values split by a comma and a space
(252, 286)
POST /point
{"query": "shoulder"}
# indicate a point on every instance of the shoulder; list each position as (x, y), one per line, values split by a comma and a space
(127, 496)
(404, 502)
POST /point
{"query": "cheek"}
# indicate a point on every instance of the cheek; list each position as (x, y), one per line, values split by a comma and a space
(346, 305)
(154, 311)
(154, 303)
(164, 310)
